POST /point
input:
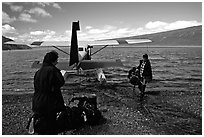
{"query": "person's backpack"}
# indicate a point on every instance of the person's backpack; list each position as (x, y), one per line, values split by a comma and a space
(88, 104)
(71, 118)
(63, 120)
(134, 80)
(93, 115)
(85, 113)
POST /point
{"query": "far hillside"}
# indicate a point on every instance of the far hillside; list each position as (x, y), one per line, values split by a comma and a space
(12, 46)
(186, 36)
(5, 39)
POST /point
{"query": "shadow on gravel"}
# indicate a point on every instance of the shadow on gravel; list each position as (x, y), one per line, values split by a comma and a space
(164, 117)
(167, 118)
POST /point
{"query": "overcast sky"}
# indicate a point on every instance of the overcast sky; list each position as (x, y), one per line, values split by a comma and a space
(52, 21)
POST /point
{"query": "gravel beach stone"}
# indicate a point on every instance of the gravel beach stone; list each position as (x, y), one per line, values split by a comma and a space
(160, 113)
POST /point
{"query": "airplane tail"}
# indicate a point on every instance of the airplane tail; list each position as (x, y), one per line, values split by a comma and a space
(74, 58)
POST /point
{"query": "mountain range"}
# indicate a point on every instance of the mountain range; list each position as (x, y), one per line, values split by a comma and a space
(10, 46)
(180, 37)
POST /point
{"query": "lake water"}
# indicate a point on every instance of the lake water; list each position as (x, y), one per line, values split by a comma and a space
(176, 66)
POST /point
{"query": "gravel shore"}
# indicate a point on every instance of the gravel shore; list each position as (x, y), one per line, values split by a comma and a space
(164, 111)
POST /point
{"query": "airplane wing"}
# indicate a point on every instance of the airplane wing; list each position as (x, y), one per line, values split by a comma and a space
(91, 43)
(118, 42)
(50, 43)
(102, 43)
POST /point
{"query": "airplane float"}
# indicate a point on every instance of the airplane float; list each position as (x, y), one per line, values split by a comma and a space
(80, 56)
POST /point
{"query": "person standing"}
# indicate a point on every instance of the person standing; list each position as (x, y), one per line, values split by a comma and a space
(145, 73)
(48, 99)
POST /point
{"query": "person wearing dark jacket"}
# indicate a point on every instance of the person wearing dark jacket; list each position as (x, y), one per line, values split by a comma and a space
(141, 75)
(145, 73)
(48, 99)
(144, 68)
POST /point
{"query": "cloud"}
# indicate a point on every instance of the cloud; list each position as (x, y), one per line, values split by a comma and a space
(109, 27)
(39, 12)
(97, 31)
(16, 8)
(107, 32)
(88, 27)
(158, 26)
(51, 4)
(181, 24)
(38, 33)
(26, 37)
(56, 38)
(120, 32)
(43, 4)
(105, 29)
(38, 36)
(47, 35)
(68, 32)
(123, 31)
(8, 29)
(7, 3)
(6, 18)
(55, 5)
(26, 18)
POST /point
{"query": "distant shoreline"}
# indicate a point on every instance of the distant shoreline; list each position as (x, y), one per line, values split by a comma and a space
(144, 46)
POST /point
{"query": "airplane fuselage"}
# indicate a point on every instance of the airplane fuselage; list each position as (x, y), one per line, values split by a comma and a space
(84, 52)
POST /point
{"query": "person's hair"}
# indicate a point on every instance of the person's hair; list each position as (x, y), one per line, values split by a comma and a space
(145, 56)
(50, 57)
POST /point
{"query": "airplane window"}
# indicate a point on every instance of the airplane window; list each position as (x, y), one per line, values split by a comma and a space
(80, 49)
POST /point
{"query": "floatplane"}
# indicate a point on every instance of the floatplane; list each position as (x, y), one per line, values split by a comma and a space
(80, 56)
